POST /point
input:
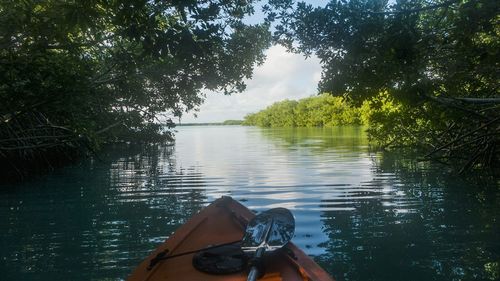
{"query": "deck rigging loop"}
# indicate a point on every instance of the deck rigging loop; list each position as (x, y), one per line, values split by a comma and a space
(222, 260)
(162, 255)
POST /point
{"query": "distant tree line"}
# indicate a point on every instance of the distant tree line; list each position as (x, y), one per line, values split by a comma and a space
(226, 122)
(232, 122)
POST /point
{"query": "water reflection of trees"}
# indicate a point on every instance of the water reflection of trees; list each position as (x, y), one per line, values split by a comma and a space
(319, 140)
(99, 219)
(411, 221)
(426, 224)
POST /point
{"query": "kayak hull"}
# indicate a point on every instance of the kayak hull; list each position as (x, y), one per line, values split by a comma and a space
(223, 221)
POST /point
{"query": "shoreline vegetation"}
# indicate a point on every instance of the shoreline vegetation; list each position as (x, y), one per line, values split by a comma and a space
(74, 77)
(224, 123)
(422, 74)
(392, 125)
(323, 110)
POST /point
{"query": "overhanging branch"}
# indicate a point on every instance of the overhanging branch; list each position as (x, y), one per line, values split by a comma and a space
(430, 7)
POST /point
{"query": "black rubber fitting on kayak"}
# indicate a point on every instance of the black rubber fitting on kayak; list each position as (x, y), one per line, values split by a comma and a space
(227, 259)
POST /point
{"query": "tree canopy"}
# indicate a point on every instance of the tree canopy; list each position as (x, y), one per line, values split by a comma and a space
(413, 48)
(100, 69)
(439, 58)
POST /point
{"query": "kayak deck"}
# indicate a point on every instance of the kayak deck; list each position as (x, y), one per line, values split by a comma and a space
(223, 221)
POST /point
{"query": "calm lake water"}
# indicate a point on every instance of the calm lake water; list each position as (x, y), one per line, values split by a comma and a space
(361, 215)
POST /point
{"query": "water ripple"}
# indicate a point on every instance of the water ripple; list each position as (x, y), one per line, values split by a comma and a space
(358, 215)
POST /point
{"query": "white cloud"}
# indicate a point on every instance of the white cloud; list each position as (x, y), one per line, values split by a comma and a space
(283, 76)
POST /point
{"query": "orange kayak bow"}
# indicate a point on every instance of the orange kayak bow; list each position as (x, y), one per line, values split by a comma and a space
(221, 223)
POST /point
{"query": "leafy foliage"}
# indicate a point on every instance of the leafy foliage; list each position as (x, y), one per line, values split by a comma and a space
(368, 45)
(324, 110)
(439, 59)
(115, 69)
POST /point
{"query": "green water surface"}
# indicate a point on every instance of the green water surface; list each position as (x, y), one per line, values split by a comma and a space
(362, 215)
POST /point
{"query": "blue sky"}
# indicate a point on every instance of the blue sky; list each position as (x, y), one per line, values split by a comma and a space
(282, 76)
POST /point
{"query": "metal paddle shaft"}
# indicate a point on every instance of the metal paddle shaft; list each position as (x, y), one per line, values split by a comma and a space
(267, 232)
(253, 274)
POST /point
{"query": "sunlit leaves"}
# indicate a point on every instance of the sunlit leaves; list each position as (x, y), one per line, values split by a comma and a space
(320, 111)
